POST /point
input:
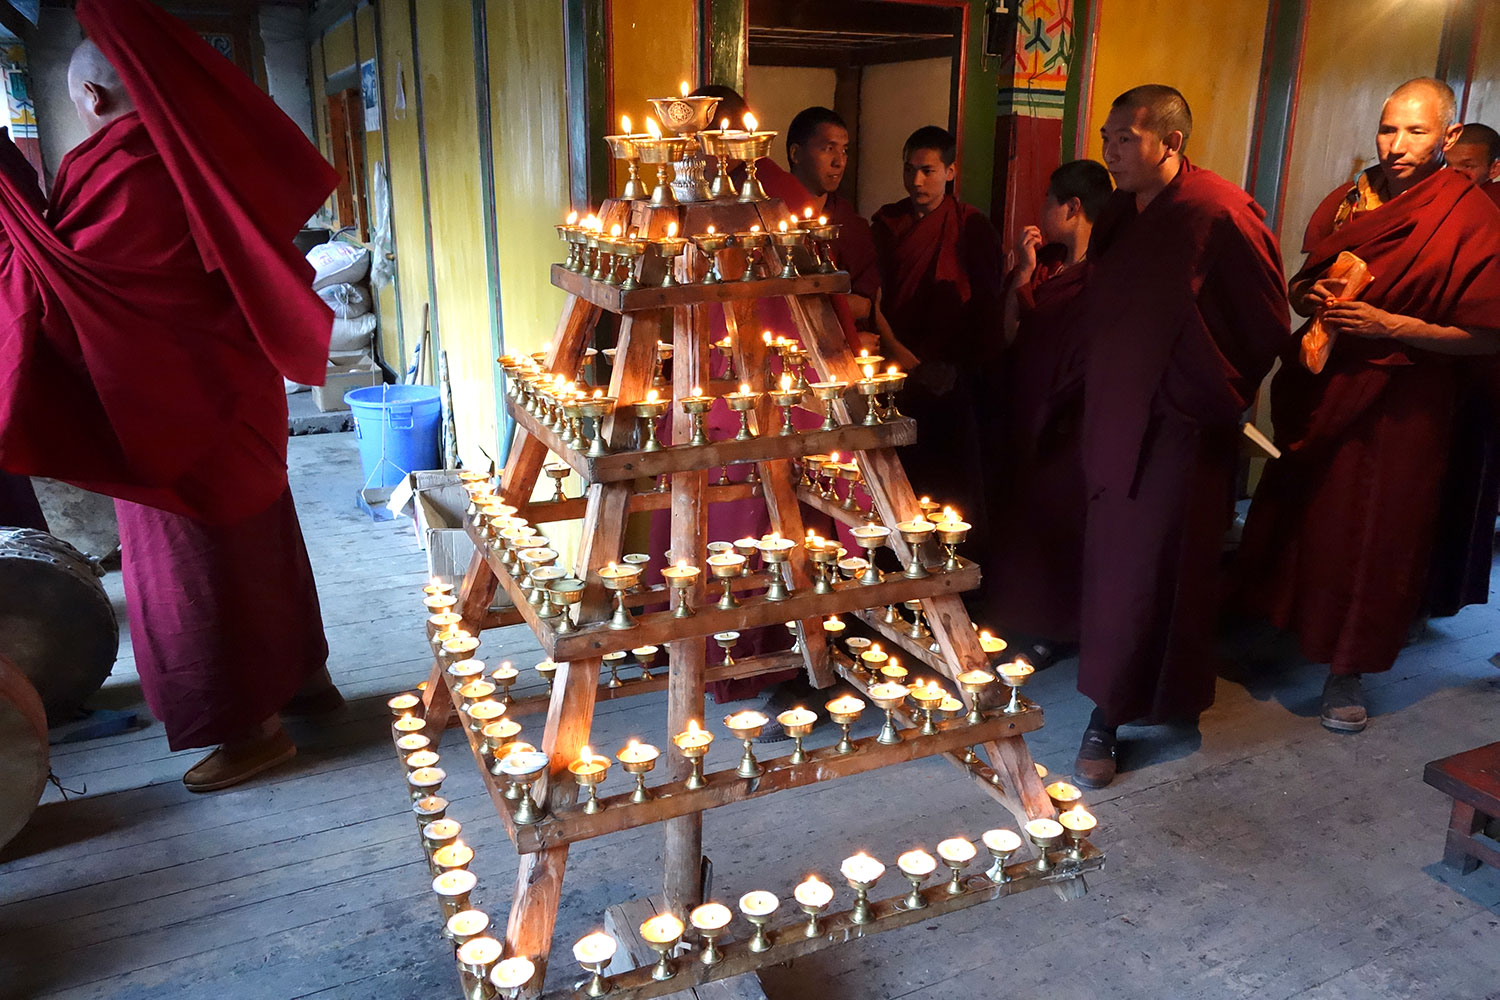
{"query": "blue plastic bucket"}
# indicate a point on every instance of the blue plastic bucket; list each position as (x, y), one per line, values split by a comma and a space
(397, 427)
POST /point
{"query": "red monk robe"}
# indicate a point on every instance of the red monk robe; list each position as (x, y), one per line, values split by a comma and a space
(1463, 548)
(1184, 312)
(148, 320)
(1037, 500)
(941, 277)
(18, 503)
(1338, 540)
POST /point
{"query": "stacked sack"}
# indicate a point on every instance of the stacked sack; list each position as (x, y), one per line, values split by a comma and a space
(341, 273)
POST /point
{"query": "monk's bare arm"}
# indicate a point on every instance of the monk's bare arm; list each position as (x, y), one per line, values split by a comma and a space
(1360, 319)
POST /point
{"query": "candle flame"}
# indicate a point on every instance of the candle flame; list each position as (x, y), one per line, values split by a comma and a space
(755, 228)
(653, 128)
(572, 218)
(625, 124)
(697, 390)
(671, 230)
(634, 744)
(775, 536)
(682, 564)
(598, 393)
(834, 457)
(864, 352)
(693, 726)
(683, 88)
(807, 212)
(792, 218)
(766, 336)
(783, 227)
(949, 514)
(869, 371)
(652, 396)
(586, 754)
(751, 122)
(724, 125)
(710, 230)
(822, 220)
(786, 383)
(745, 388)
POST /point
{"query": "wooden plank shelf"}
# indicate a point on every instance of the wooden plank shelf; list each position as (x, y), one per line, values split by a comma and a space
(656, 628)
(874, 618)
(574, 508)
(832, 508)
(789, 939)
(628, 465)
(612, 298)
(726, 786)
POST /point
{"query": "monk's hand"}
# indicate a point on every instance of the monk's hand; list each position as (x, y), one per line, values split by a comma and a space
(1321, 293)
(1358, 319)
(1031, 242)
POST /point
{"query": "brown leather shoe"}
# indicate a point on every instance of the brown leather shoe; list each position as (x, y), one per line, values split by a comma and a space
(233, 763)
(1343, 707)
(1097, 763)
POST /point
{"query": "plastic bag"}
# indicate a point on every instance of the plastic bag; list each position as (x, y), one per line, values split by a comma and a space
(1317, 342)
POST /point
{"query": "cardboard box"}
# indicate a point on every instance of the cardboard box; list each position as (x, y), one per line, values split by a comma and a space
(329, 396)
(436, 502)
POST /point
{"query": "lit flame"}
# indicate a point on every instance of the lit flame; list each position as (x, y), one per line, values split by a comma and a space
(792, 219)
(893, 370)
(671, 230)
(807, 212)
(949, 514)
(586, 754)
(682, 564)
(744, 388)
(834, 457)
(697, 390)
(625, 124)
(710, 230)
(693, 727)
(653, 128)
(869, 371)
(683, 88)
(766, 336)
(786, 383)
(751, 122)
(572, 218)
(614, 230)
(783, 227)
(755, 228)
(651, 397)
(822, 220)
(633, 745)
(724, 125)
(598, 393)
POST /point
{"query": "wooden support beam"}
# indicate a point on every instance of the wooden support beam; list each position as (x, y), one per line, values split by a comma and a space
(616, 300)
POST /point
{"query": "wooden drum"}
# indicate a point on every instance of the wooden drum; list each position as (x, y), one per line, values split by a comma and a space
(56, 623)
(23, 747)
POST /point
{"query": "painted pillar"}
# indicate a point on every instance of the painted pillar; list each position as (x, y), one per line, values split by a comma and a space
(1028, 136)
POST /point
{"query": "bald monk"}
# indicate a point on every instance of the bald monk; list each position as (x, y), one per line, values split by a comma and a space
(1476, 155)
(1036, 489)
(155, 307)
(941, 274)
(1463, 548)
(1337, 543)
(1182, 316)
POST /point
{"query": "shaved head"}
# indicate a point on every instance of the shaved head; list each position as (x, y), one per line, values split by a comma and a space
(95, 87)
(1417, 128)
(1476, 154)
(1166, 109)
(1427, 88)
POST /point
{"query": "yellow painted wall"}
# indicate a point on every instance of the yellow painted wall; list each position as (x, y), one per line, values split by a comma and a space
(405, 169)
(1350, 63)
(391, 351)
(1209, 51)
(1484, 92)
(651, 52)
(445, 40)
(338, 46)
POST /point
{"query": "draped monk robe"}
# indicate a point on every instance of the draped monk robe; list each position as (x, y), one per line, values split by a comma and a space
(1183, 314)
(18, 503)
(1463, 549)
(941, 278)
(1037, 497)
(148, 318)
(1337, 544)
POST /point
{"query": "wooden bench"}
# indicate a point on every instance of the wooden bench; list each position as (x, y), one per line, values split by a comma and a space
(1473, 779)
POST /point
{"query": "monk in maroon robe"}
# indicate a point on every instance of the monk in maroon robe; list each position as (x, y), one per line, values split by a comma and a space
(1034, 569)
(150, 315)
(1339, 536)
(1181, 318)
(1463, 549)
(941, 280)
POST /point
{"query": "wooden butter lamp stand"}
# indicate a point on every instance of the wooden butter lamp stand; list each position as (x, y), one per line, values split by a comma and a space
(679, 314)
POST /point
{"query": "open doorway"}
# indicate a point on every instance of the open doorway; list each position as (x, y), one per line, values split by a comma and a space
(887, 67)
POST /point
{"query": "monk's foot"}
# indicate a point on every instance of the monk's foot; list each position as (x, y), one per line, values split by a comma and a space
(1098, 758)
(240, 760)
(317, 696)
(1344, 704)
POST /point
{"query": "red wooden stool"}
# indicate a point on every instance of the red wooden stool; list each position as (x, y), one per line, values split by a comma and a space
(1473, 779)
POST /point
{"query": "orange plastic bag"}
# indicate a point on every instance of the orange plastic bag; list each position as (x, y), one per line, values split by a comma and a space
(1317, 342)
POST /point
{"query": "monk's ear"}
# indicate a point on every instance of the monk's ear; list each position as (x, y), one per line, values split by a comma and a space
(1174, 141)
(1494, 170)
(93, 98)
(950, 171)
(1451, 136)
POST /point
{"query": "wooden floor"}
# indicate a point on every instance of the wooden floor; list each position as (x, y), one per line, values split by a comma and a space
(1256, 856)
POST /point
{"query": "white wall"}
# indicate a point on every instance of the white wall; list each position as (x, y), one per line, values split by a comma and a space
(776, 93)
(896, 99)
(283, 32)
(48, 52)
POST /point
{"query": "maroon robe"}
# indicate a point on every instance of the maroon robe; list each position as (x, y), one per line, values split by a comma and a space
(1337, 545)
(148, 319)
(942, 282)
(1033, 571)
(1183, 314)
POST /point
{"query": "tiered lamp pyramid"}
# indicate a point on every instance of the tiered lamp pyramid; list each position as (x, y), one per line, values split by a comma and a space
(737, 250)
